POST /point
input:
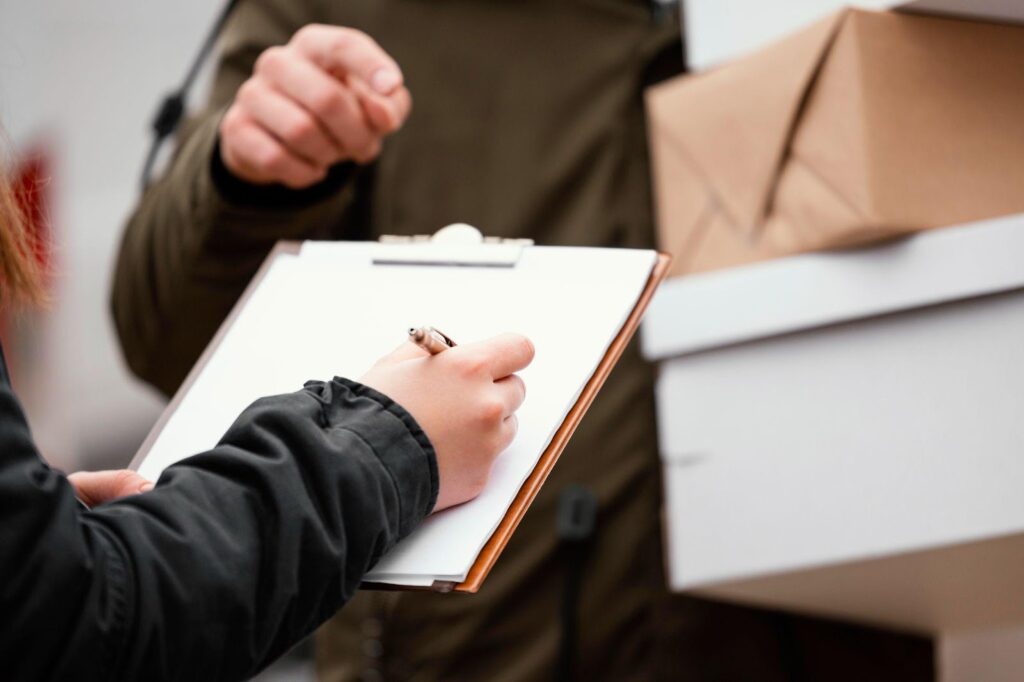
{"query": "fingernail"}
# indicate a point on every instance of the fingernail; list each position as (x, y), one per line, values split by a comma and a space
(385, 80)
(145, 487)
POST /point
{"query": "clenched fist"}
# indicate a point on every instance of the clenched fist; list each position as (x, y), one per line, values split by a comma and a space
(330, 95)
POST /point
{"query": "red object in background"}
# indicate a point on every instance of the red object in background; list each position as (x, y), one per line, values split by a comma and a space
(31, 185)
(31, 189)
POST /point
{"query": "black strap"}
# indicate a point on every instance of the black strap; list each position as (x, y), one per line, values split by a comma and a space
(663, 10)
(576, 523)
(172, 108)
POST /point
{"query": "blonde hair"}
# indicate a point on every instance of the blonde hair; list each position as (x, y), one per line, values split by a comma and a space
(20, 272)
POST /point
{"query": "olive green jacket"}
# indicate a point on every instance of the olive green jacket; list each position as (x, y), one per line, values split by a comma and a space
(527, 121)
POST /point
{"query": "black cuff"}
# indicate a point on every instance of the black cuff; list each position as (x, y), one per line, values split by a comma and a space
(236, 191)
(391, 440)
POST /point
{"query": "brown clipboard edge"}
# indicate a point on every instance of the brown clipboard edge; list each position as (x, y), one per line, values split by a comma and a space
(517, 510)
(527, 492)
(281, 248)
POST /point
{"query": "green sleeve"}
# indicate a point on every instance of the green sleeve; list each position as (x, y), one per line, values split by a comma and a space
(197, 237)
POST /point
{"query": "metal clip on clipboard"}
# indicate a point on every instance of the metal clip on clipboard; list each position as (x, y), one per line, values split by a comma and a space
(457, 244)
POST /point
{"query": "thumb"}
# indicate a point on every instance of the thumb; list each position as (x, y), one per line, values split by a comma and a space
(97, 487)
(345, 51)
(385, 113)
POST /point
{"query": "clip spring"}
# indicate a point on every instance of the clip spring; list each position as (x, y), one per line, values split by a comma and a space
(457, 244)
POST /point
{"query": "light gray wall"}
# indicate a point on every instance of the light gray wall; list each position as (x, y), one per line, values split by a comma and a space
(82, 80)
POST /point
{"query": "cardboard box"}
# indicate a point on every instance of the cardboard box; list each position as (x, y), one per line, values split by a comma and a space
(862, 127)
(841, 432)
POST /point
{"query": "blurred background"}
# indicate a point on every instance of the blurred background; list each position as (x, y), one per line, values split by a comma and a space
(79, 83)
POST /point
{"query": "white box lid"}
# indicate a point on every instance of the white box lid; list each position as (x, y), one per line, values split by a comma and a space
(720, 30)
(725, 307)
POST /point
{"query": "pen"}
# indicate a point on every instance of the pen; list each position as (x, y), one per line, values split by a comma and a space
(430, 339)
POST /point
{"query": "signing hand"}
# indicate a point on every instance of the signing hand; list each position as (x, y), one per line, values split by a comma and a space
(465, 399)
(330, 95)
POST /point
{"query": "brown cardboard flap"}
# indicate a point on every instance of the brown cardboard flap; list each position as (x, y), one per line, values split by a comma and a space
(734, 123)
(863, 127)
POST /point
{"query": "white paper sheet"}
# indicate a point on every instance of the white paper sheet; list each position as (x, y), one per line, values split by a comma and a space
(328, 312)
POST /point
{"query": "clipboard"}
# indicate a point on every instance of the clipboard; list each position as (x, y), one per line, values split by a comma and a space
(457, 246)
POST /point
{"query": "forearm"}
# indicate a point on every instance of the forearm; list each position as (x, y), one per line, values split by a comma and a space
(236, 555)
(282, 521)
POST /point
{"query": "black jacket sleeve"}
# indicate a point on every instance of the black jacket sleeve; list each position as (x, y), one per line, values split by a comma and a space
(236, 555)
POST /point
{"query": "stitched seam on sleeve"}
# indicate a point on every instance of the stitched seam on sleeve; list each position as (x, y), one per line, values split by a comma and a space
(391, 477)
(122, 584)
(324, 421)
(429, 453)
(412, 427)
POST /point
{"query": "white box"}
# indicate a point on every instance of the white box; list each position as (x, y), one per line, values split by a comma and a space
(719, 30)
(843, 433)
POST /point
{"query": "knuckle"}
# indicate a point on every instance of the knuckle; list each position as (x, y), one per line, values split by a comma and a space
(358, 141)
(318, 174)
(497, 444)
(315, 175)
(372, 149)
(271, 158)
(473, 365)
(270, 59)
(247, 93)
(492, 411)
(231, 123)
(520, 385)
(327, 102)
(297, 181)
(476, 481)
(301, 130)
(307, 33)
(405, 103)
(526, 347)
(478, 485)
(299, 177)
(345, 38)
(507, 436)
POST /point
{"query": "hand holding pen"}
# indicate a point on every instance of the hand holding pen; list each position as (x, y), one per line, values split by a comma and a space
(465, 399)
(430, 339)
